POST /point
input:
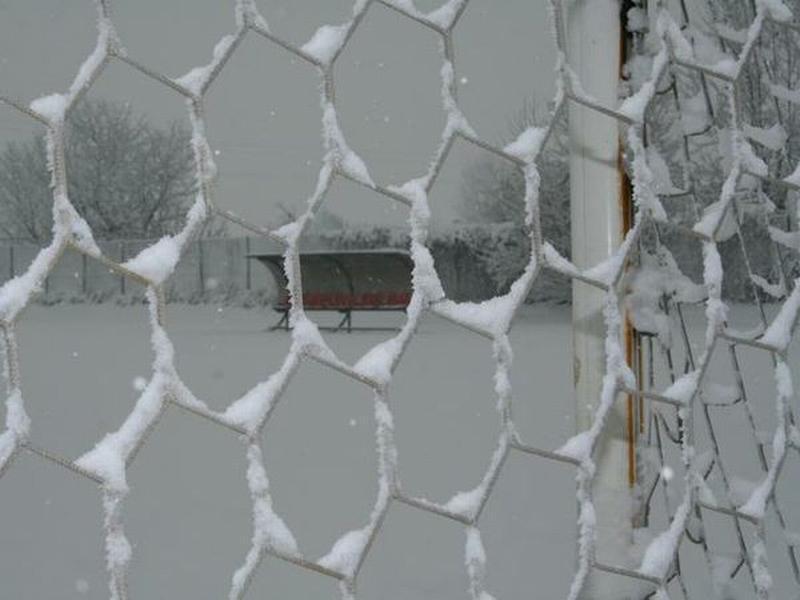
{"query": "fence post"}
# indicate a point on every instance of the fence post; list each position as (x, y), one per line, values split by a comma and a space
(247, 275)
(12, 270)
(122, 259)
(200, 267)
(84, 270)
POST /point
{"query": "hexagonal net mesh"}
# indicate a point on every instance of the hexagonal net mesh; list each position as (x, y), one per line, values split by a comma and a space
(677, 404)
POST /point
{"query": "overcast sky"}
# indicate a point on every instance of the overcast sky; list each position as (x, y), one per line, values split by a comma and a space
(263, 114)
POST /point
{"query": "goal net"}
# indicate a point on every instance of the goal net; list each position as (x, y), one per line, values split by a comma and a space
(698, 304)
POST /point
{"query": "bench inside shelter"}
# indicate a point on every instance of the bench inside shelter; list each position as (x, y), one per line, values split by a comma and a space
(344, 281)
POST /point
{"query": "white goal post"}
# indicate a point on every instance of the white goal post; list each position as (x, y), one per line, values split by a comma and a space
(598, 208)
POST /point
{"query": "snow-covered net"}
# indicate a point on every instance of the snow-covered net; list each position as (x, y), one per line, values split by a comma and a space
(642, 274)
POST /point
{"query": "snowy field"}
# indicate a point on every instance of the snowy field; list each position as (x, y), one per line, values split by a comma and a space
(189, 513)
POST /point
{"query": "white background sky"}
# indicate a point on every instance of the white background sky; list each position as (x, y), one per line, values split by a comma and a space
(263, 113)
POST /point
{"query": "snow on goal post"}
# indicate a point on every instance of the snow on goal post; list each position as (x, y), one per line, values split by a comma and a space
(687, 370)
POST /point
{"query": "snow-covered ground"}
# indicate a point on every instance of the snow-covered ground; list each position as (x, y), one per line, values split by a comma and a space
(189, 512)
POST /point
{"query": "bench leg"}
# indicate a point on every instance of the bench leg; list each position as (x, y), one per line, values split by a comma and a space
(283, 323)
(347, 321)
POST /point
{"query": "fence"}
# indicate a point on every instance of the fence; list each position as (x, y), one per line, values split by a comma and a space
(211, 269)
(218, 270)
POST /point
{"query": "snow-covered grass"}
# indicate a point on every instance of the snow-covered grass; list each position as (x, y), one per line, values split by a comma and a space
(189, 513)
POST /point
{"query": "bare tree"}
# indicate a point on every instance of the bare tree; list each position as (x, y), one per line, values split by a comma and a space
(493, 193)
(493, 190)
(127, 177)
